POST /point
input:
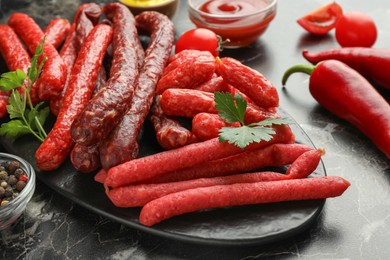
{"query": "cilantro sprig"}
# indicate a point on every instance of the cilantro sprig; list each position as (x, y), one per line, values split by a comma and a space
(25, 117)
(232, 109)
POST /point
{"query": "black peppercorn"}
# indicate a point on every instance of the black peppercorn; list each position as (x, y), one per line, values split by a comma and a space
(13, 179)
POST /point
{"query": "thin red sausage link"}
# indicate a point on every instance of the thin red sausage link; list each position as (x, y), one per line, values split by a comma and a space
(184, 54)
(55, 148)
(12, 50)
(88, 18)
(189, 102)
(215, 84)
(68, 53)
(85, 159)
(254, 113)
(206, 126)
(15, 57)
(121, 144)
(53, 76)
(106, 108)
(188, 56)
(140, 194)
(188, 75)
(277, 155)
(161, 163)
(100, 176)
(305, 164)
(241, 194)
(3, 103)
(84, 22)
(169, 132)
(249, 81)
(56, 31)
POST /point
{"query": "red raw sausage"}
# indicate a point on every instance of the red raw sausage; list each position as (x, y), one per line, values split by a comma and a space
(306, 162)
(140, 194)
(215, 84)
(161, 163)
(249, 81)
(191, 73)
(56, 31)
(53, 76)
(277, 155)
(177, 60)
(241, 194)
(55, 148)
(121, 144)
(206, 126)
(106, 108)
(189, 102)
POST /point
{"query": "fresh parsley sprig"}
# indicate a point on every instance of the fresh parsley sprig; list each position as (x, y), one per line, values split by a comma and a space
(232, 109)
(25, 117)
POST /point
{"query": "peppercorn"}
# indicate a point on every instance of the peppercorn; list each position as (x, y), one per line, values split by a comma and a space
(12, 166)
(20, 185)
(13, 179)
(3, 175)
(2, 191)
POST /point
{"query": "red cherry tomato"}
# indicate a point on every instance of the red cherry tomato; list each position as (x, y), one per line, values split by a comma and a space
(321, 20)
(199, 39)
(356, 29)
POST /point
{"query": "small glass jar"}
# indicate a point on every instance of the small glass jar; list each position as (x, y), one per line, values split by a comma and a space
(241, 22)
(10, 212)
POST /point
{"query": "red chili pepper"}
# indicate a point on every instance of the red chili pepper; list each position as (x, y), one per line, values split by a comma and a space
(373, 64)
(348, 95)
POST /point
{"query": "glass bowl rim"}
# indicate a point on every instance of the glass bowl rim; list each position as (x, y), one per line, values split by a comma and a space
(192, 9)
(29, 185)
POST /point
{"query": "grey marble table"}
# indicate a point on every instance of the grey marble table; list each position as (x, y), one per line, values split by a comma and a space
(353, 226)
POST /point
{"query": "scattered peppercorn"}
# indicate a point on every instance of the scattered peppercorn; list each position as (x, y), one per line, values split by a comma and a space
(13, 179)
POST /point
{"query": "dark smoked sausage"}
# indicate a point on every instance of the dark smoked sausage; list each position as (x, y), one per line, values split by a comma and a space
(56, 31)
(85, 19)
(106, 108)
(53, 76)
(57, 145)
(121, 144)
(169, 131)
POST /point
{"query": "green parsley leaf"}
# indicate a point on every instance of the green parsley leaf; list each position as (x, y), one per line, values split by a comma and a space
(14, 129)
(245, 135)
(25, 118)
(233, 110)
(229, 110)
(12, 80)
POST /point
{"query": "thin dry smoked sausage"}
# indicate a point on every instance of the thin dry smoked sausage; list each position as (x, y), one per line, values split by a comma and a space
(57, 145)
(105, 109)
(241, 194)
(161, 163)
(53, 76)
(121, 144)
(15, 57)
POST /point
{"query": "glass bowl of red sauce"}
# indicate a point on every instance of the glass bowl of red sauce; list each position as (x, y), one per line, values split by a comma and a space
(241, 22)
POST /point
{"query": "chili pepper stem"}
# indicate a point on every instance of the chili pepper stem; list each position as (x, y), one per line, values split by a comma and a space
(303, 68)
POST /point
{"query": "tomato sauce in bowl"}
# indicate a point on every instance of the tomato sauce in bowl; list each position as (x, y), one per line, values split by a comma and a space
(240, 21)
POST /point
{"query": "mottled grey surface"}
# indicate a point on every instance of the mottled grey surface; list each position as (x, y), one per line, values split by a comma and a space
(353, 226)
